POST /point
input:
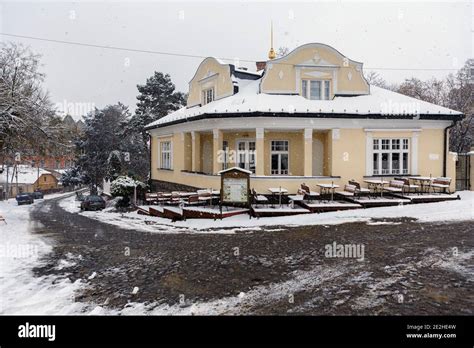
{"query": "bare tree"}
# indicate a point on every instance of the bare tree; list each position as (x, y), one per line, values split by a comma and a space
(25, 109)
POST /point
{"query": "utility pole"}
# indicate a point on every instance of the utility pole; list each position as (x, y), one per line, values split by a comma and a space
(7, 188)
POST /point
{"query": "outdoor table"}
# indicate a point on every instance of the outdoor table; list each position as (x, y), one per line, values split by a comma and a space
(328, 189)
(376, 185)
(279, 191)
(424, 181)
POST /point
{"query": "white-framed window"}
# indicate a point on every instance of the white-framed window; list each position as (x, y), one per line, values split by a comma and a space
(166, 155)
(207, 96)
(246, 154)
(390, 156)
(225, 148)
(316, 89)
(280, 157)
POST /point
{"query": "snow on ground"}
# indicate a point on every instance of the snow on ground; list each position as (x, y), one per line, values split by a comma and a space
(457, 210)
(21, 251)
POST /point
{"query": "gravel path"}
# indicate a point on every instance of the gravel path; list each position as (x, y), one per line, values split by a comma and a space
(408, 267)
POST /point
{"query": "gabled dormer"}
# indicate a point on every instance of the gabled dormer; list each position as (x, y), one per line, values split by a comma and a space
(215, 80)
(314, 71)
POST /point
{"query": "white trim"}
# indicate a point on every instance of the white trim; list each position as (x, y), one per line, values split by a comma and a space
(289, 123)
(308, 133)
(259, 133)
(336, 133)
(164, 136)
(392, 129)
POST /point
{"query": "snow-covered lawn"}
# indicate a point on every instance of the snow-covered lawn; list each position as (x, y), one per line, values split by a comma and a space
(457, 210)
(21, 251)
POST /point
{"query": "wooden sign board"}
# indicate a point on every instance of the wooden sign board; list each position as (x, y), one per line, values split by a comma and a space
(235, 187)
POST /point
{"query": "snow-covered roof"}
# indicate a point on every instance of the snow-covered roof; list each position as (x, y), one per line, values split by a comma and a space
(26, 174)
(249, 100)
(235, 168)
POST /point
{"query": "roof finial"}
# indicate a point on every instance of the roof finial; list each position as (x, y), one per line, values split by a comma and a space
(271, 53)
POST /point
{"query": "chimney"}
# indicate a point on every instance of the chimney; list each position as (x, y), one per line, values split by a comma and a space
(261, 65)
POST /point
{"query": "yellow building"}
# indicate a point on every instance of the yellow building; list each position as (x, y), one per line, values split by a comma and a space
(309, 116)
(27, 179)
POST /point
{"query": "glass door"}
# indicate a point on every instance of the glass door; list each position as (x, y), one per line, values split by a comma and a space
(246, 154)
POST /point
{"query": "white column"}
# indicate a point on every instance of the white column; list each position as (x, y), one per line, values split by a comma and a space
(259, 148)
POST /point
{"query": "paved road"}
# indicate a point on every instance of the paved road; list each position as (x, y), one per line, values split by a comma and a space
(408, 267)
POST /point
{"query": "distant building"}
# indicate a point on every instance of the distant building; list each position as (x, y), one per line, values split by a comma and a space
(28, 179)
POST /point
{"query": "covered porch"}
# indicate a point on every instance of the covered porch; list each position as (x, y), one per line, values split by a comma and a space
(289, 156)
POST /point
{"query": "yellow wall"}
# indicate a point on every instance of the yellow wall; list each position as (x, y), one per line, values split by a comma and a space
(281, 74)
(46, 182)
(344, 157)
(296, 151)
(222, 82)
(431, 148)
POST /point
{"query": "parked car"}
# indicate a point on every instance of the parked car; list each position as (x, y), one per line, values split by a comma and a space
(24, 198)
(38, 195)
(93, 202)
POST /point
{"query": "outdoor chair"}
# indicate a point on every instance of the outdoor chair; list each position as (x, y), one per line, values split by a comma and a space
(359, 190)
(304, 190)
(259, 199)
(442, 184)
(395, 186)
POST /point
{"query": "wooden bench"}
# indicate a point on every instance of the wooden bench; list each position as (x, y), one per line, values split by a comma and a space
(395, 186)
(441, 183)
(259, 199)
(359, 190)
(307, 193)
(349, 191)
(407, 186)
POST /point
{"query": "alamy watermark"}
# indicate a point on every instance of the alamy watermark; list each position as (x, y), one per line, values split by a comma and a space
(350, 251)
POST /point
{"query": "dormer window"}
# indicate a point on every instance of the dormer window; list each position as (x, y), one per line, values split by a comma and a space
(316, 89)
(207, 96)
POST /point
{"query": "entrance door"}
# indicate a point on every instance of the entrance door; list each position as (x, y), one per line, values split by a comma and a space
(246, 154)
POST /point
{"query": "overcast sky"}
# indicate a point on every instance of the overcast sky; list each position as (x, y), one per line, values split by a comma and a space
(404, 34)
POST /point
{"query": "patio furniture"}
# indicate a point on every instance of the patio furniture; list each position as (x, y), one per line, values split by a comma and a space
(349, 191)
(376, 186)
(151, 198)
(194, 200)
(162, 197)
(306, 192)
(175, 198)
(277, 190)
(441, 183)
(259, 199)
(328, 189)
(407, 186)
(359, 190)
(205, 196)
(296, 198)
(424, 181)
(395, 186)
